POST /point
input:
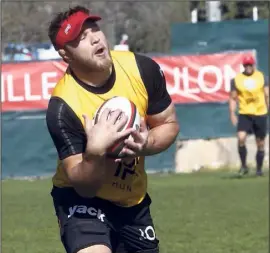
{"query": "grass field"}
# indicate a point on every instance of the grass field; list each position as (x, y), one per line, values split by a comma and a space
(196, 213)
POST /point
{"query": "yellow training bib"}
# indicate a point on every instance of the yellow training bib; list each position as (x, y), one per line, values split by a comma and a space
(124, 185)
(251, 93)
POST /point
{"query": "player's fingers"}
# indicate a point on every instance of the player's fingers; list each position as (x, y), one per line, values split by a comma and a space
(143, 126)
(105, 115)
(137, 137)
(121, 122)
(130, 144)
(124, 134)
(87, 122)
(128, 152)
(114, 116)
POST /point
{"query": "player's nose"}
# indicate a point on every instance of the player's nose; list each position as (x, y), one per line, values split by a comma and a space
(95, 39)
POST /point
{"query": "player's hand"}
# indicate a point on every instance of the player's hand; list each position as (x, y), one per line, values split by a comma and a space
(104, 134)
(234, 119)
(135, 147)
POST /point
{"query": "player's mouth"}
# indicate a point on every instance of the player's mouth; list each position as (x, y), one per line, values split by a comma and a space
(100, 51)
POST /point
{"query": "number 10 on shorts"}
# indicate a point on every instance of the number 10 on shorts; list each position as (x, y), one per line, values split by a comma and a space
(148, 233)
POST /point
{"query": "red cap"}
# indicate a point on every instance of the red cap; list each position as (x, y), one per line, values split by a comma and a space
(248, 59)
(71, 27)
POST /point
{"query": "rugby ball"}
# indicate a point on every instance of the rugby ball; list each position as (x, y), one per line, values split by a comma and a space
(129, 108)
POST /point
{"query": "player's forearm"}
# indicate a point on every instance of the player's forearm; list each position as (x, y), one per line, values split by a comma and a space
(232, 106)
(87, 177)
(161, 138)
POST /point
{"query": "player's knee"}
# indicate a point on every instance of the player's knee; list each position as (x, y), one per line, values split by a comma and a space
(95, 249)
(260, 144)
(241, 142)
(241, 139)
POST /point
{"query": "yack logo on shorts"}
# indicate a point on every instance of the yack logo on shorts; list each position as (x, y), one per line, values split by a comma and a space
(86, 210)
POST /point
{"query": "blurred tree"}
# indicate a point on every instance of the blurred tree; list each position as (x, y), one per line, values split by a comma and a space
(200, 6)
(146, 23)
(234, 9)
(243, 9)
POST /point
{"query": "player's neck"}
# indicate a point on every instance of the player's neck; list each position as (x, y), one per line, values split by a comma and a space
(95, 79)
(248, 73)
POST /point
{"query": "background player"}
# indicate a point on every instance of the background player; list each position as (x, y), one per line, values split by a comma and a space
(250, 89)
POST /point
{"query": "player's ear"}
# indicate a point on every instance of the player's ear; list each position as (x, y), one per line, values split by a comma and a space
(65, 55)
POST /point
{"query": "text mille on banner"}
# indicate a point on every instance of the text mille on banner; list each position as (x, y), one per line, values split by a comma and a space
(190, 79)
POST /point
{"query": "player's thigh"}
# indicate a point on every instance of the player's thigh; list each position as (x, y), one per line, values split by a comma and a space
(82, 222)
(140, 235)
(260, 127)
(244, 127)
(95, 249)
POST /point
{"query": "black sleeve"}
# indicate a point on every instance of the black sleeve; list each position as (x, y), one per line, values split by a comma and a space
(155, 83)
(65, 128)
(233, 87)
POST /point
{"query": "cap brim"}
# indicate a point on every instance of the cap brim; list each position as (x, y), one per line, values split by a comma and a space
(248, 63)
(71, 27)
(79, 25)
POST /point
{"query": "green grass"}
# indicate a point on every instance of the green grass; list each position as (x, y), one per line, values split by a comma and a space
(195, 213)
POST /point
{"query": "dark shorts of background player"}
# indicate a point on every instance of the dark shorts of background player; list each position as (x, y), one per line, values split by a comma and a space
(252, 124)
(85, 222)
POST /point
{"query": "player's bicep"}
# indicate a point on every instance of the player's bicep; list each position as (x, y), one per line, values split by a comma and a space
(233, 92)
(65, 128)
(167, 116)
(233, 95)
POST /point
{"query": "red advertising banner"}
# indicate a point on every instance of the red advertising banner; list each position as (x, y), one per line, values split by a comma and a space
(28, 86)
(201, 78)
(190, 79)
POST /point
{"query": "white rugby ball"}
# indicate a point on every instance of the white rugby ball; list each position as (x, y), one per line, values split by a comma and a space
(130, 110)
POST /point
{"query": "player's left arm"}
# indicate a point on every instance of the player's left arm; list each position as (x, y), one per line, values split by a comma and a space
(164, 129)
(266, 92)
(161, 116)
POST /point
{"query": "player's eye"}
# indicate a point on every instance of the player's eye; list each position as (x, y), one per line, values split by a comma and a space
(83, 36)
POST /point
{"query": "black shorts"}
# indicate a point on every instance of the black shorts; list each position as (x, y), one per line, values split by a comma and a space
(84, 222)
(253, 124)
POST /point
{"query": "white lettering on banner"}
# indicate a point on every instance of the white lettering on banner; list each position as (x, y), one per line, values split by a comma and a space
(177, 75)
(2, 89)
(10, 90)
(8, 87)
(182, 79)
(27, 88)
(201, 81)
(46, 85)
(186, 87)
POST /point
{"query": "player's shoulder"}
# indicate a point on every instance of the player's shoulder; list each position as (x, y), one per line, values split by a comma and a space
(145, 61)
(65, 87)
(259, 72)
(237, 75)
(55, 105)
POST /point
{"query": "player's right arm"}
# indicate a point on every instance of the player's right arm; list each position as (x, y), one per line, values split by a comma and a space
(266, 92)
(82, 148)
(233, 103)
